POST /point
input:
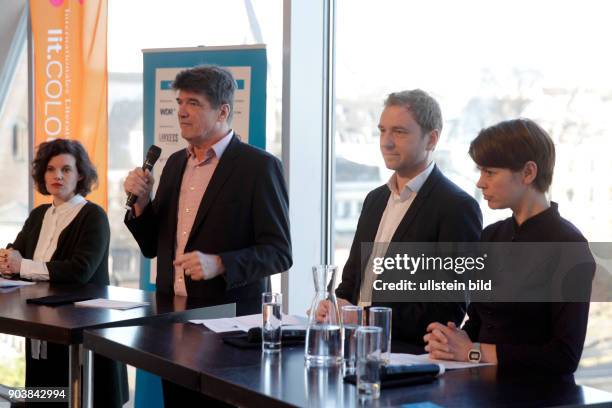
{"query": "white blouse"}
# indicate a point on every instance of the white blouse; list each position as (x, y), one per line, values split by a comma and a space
(56, 219)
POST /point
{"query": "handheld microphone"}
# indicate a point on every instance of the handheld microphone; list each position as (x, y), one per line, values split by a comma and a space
(152, 156)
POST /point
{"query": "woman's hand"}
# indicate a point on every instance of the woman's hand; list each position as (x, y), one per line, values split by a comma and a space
(447, 342)
(10, 262)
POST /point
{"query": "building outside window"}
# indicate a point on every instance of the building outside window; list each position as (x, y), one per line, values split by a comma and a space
(472, 58)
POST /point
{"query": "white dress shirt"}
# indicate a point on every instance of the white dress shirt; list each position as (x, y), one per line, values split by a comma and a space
(56, 219)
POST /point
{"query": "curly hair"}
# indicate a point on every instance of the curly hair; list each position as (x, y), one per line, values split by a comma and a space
(47, 150)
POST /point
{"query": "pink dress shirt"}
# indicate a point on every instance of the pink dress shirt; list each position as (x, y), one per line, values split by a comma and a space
(193, 186)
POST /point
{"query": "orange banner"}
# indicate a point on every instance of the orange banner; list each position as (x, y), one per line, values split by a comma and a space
(70, 79)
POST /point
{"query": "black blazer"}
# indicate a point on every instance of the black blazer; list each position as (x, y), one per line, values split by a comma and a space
(243, 217)
(81, 257)
(440, 212)
(82, 248)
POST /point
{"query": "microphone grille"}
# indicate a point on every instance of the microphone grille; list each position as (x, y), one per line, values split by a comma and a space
(153, 154)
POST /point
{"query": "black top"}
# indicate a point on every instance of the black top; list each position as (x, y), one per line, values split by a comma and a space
(547, 226)
(440, 212)
(546, 337)
(82, 248)
(243, 217)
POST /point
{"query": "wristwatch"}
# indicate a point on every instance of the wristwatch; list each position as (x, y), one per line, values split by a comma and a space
(474, 355)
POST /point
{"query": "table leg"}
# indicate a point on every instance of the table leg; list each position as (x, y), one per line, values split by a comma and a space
(87, 378)
(74, 373)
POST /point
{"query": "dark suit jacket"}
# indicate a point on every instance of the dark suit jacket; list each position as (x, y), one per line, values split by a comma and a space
(243, 218)
(81, 257)
(82, 248)
(441, 212)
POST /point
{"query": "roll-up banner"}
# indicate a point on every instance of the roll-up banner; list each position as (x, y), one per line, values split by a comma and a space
(70, 79)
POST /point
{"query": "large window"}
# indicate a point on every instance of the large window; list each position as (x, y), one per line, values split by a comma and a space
(185, 23)
(484, 62)
(162, 24)
(14, 188)
(14, 153)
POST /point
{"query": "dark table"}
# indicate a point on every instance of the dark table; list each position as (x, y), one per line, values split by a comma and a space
(198, 359)
(65, 324)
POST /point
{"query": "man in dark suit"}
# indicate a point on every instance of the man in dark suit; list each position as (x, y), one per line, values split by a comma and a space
(219, 223)
(418, 204)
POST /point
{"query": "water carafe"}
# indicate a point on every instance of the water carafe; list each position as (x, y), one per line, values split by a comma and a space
(324, 335)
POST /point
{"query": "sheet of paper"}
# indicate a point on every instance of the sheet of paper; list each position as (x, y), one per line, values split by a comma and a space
(8, 283)
(221, 325)
(409, 359)
(244, 323)
(110, 304)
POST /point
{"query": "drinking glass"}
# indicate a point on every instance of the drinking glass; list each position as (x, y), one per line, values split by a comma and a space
(271, 304)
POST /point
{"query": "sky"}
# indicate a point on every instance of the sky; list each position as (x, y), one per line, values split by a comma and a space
(442, 45)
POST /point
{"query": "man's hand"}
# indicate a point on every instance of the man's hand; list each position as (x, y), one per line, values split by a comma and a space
(140, 183)
(322, 312)
(199, 266)
(447, 342)
(10, 262)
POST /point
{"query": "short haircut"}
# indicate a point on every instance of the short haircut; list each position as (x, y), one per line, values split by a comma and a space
(216, 84)
(47, 150)
(425, 109)
(511, 144)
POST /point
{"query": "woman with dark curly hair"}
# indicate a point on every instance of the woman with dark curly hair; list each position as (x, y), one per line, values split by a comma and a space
(66, 241)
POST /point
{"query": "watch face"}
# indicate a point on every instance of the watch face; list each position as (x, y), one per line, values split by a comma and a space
(474, 356)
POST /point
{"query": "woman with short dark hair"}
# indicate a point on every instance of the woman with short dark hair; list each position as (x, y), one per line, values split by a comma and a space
(66, 241)
(516, 160)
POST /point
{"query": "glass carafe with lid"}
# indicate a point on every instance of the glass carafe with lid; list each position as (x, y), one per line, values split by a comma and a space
(324, 335)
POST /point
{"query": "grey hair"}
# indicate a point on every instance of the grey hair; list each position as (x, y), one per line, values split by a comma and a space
(424, 108)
